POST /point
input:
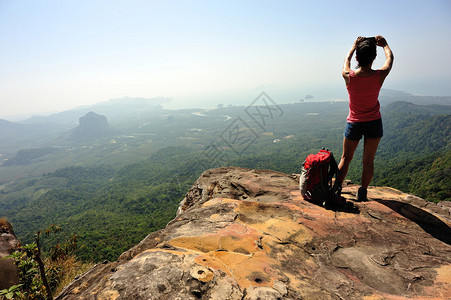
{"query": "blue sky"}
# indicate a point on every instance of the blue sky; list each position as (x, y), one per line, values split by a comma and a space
(60, 54)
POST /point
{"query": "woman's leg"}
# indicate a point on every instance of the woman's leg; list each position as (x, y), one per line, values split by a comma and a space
(349, 147)
(369, 152)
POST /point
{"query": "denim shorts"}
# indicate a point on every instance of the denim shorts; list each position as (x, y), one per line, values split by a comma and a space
(370, 129)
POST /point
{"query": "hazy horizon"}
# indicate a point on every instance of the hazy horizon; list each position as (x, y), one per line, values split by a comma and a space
(58, 55)
(245, 99)
(239, 99)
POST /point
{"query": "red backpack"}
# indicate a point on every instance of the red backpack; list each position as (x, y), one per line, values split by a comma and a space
(315, 182)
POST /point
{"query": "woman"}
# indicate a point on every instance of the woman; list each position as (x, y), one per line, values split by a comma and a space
(364, 118)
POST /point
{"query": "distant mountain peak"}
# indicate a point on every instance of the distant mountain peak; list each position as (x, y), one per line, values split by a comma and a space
(92, 126)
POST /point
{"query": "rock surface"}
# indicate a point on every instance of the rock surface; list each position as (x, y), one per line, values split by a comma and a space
(8, 270)
(248, 234)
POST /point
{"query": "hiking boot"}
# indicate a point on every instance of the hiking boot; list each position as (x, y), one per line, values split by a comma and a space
(361, 195)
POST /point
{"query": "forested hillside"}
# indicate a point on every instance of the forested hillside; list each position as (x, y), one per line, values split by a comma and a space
(113, 201)
(110, 210)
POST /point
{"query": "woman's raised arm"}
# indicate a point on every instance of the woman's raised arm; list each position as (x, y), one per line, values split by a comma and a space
(347, 63)
(389, 57)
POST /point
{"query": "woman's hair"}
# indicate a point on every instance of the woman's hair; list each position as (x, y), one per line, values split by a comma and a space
(366, 52)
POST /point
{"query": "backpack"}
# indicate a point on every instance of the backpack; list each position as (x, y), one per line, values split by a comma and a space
(315, 181)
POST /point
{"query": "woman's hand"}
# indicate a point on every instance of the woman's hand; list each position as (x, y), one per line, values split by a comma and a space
(380, 41)
(357, 41)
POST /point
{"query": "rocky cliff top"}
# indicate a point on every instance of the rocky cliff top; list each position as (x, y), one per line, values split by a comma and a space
(248, 234)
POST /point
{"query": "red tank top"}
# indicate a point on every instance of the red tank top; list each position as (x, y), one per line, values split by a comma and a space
(363, 97)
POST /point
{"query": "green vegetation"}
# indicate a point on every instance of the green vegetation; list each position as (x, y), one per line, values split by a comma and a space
(112, 195)
(110, 209)
(26, 156)
(41, 276)
(428, 177)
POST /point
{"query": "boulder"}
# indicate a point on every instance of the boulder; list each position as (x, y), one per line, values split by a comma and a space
(8, 242)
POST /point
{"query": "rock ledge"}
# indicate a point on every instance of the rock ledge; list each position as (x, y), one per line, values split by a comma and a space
(248, 234)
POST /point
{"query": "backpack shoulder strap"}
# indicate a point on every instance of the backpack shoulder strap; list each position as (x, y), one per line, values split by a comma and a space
(333, 170)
